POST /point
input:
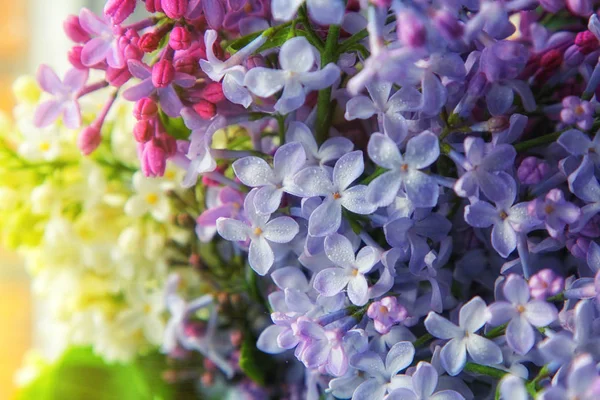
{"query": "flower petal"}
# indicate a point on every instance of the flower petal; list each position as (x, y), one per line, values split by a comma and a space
(232, 229)
(454, 356)
(355, 200)
(504, 238)
(483, 351)
(331, 281)
(281, 230)
(253, 171)
(339, 250)
(48, 80)
(359, 107)
(519, 335)
(421, 189)
(297, 55)
(481, 214)
(267, 341)
(358, 290)
(441, 328)
(260, 256)
(473, 315)
(422, 150)
(383, 151)
(264, 82)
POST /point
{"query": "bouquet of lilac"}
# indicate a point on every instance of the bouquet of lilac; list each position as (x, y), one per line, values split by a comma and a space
(391, 199)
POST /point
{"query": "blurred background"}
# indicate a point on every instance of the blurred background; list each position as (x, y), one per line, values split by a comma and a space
(30, 34)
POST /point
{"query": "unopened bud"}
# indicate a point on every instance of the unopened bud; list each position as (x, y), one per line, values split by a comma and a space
(145, 109)
(143, 131)
(74, 30)
(117, 77)
(89, 139)
(119, 10)
(175, 9)
(205, 109)
(180, 38)
(149, 42)
(163, 73)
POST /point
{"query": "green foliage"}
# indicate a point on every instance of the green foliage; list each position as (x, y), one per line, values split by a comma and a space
(252, 361)
(175, 127)
(81, 375)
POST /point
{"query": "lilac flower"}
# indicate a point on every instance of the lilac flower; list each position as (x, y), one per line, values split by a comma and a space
(330, 349)
(261, 231)
(105, 44)
(388, 109)
(229, 204)
(65, 94)
(296, 58)
(422, 386)
(472, 316)
(421, 152)
(577, 111)
(507, 219)
(383, 378)
(167, 95)
(584, 184)
(272, 182)
(482, 169)
(581, 382)
(331, 150)
(588, 288)
(315, 181)
(322, 12)
(555, 212)
(351, 271)
(532, 171)
(579, 144)
(545, 283)
(521, 313)
(385, 313)
(513, 388)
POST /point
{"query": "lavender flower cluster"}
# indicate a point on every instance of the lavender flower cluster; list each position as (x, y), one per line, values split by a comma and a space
(417, 181)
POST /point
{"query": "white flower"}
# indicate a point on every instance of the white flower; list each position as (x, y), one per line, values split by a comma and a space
(144, 313)
(150, 198)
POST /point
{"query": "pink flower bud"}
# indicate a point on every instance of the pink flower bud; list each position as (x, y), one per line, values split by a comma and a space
(532, 170)
(74, 30)
(149, 42)
(551, 60)
(180, 38)
(411, 31)
(74, 57)
(154, 6)
(119, 10)
(154, 160)
(117, 77)
(205, 109)
(545, 284)
(129, 45)
(163, 73)
(143, 131)
(89, 139)
(213, 92)
(187, 65)
(587, 42)
(175, 9)
(145, 109)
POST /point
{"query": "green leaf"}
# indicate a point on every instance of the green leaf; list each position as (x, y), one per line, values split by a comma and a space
(253, 361)
(175, 127)
(80, 374)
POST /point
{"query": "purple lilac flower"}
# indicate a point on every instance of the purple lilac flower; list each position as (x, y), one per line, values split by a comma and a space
(242, 11)
(272, 182)
(296, 59)
(421, 151)
(588, 288)
(323, 12)
(508, 220)
(383, 378)
(422, 386)
(584, 184)
(385, 313)
(555, 212)
(532, 171)
(472, 316)
(577, 112)
(331, 150)
(261, 231)
(64, 94)
(229, 204)
(521, 313)
(545, 283)
(105, 45)
(388, 109)
(579, 144)
(316, 181)
(513, 388)
(167, 94)
(350, 270)
(580, 383)
(482, 166)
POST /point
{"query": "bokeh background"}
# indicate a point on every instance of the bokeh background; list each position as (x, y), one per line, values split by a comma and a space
(30, 34)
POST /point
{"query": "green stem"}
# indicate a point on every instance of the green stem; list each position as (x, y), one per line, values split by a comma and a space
(422, 340)
(496, 332)
(281, 126)
(538, 141)
(311, 35)
(484, 370)
(324, 107)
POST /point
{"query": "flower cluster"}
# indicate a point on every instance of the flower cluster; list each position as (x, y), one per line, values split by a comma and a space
(409, 188)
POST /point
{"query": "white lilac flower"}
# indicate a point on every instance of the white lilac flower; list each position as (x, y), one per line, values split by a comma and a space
(315, 181)
(463, 339)
(331, 149)
(422, 386)
(404, 171)
(261, 230)
(144, 314)
(150, 197)
(350, 270)
(296, 58)
(513, 388)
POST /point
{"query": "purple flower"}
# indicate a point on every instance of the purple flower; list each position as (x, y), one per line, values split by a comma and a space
(229, 204)
(555, 212)
(331, 150)
(513, 388)
(422, 386)
(581, 382)
(577, 111)
(322, 12)
(472, 316)
(579, 144)
(421, 152)
(584, 184)
(545, 283)
(65, 94)
(532, 171)
(105, 44)
(316, 181)
(385, 313)
(350, 270)
(261, 231)
(388, 109)
(482, 166)
(507, 219)
(272, 182)
(382, 378)
(588, 288)
(521, 313)
(296, 58)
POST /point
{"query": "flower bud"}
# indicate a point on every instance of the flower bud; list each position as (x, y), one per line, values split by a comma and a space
(117, 77)
(163, 73)
(205, 109)
(578, 247)
(187, 65)
(552, 59)
(154, 6)
(545, 284)
(89, 139)
(154, 160)
(149, 42)
(582, 8)
(175, 9)
(129, 45)
(180, 38)
(74, 57)
(573, 56)
(119, 10)
(552, 6)
(145, 109)
(498, 124)
(532, 171)
(213, 92)
(587, 42)
(74, 30)
(143, 131)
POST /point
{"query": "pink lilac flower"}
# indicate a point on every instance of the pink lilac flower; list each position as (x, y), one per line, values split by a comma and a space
(104, 45)
(385, 313)
(577, 112)
(545, 283)
(65, 95)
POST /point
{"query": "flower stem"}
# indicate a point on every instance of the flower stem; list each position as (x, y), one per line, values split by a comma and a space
(422, 340)
(484, 370)
(324, 106)
(311, 35)
(538, 141)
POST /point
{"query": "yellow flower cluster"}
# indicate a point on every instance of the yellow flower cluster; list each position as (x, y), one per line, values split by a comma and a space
(92, 230)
